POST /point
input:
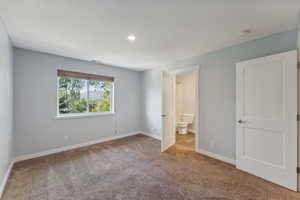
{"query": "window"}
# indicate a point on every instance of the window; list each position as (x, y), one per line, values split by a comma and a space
(81, 93)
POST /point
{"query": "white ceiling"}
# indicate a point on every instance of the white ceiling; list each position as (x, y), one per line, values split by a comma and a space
(166, 30)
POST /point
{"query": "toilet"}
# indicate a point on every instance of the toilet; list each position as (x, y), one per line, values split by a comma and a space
(186, 120)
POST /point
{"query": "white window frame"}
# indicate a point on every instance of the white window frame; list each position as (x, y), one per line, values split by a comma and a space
(87, 113)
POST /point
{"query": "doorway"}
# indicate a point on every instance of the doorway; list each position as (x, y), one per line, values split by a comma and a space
(180, 112)
(185, 110)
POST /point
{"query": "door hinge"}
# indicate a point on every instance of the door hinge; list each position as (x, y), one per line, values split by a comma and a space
(298, 117)
(298, 170)
(298, 65)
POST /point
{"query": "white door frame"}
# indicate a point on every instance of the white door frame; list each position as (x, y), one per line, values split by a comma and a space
(184, 70)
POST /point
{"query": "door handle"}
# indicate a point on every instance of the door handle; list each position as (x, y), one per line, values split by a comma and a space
(163, 115)
(241, 121)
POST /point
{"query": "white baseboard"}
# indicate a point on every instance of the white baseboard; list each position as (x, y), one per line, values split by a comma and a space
(5, 179)
(151, 135)
(66, 148)
(217, 156)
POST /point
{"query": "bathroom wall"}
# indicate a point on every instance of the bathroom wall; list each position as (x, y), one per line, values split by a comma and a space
(179, 100)
(187, 98)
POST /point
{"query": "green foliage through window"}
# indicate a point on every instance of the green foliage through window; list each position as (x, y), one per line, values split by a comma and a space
(81, 96)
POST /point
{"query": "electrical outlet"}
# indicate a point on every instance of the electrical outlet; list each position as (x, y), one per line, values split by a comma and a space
(116, 132)
(66, 137)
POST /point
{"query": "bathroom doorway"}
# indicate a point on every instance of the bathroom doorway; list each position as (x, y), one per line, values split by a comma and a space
(180, 109)
(185, 110)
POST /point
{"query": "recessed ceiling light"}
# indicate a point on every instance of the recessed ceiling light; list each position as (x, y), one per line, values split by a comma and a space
(131, 38)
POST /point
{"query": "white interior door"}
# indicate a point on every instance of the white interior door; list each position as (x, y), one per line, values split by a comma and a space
(266, 128)
(168, 104)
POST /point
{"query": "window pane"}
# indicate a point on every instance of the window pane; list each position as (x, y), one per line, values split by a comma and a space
(100, 96)
(72, 94)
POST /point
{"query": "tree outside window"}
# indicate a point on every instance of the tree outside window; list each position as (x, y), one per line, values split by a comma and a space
(77, 95)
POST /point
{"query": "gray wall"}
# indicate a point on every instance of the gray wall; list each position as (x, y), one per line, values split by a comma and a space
(298, 30)
(35, 80)
(217, 89)
(6, 99)
(151, 102)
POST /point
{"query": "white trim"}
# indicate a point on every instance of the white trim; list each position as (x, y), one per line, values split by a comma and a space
(66, 148)
(197, 108)
(156, 136)
(82, 115)
(217, 156)
(112, 97)
(87, 96)
(5, 179)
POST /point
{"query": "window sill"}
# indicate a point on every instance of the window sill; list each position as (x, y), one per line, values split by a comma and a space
(85, 115)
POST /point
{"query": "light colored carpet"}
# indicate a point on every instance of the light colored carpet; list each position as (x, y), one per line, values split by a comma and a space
(134, 169)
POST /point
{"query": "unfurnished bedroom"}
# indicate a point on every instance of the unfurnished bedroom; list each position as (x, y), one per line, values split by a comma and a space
(149, 100)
